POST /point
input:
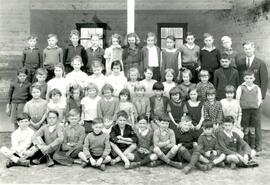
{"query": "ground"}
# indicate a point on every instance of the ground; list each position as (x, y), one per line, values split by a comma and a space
(143, 175)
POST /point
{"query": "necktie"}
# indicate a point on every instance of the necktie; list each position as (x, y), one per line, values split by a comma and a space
(248, 62)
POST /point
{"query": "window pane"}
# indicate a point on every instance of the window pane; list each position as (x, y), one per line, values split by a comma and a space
(177, 32)
(86, 34)
(178, 43)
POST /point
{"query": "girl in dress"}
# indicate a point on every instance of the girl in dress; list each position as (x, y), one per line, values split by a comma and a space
(133, 76)
(148, 82)
(186, 84)
(98, 77)
(169, 83)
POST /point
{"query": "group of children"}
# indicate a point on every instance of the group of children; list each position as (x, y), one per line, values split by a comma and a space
(68, 105)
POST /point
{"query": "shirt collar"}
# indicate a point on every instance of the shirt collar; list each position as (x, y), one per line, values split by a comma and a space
(97, 134)
(190, 47)
(48, 47)
(251, 58)
(207, 49)
(212, 135)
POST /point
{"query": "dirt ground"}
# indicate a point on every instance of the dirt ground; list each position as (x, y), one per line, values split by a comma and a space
(144, 175)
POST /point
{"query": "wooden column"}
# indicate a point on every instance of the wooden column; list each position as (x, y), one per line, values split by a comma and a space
(130, 16)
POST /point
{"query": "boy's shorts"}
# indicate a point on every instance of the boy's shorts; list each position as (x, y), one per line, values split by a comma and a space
(138, 156)
(250, 118)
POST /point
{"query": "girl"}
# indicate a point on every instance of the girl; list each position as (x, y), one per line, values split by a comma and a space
(132, 53)
(89, 106)
(186, 84)
(170, 57)
(98, 77)
(204, 84)
(117, 79)
(77, 77)
(126, 105)
(231, 107)
(169, 83)
(148, 82)
(151, 55)
(114, 52)
(133, 76)
(74, 100)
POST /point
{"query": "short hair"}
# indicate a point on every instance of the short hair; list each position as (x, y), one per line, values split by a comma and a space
(210, 91)
(141, 117)
(74, 32)
(96, 63)
(35, 86)
(249, 43)
(228, 119)
(116, 63)
(122, 113)
(97, 120)
(193, 89)
(207, 123)
(139, 86)
(190, 34)
(23, 116)
(171, 37)
(249, 73)
(148, 68)
(169, 70)
(107, 87)
(206, 35)
(60, 65)
(92, 86)
(125, 92)
(175, 90)
(42, 71)
(32, 37)
(53, 112)
(226, 38)
(54, 92)
(133, 70)
(166, 118)
(74, 112)
(76, 87)
(187, 71)
(76, 57)
(52, 35)
(225, 56)
(151, 34)
(202, 73)
(137, 39)
(158, 86)
(22, 70)
(117, 36)
(155, 117)
(229, 89)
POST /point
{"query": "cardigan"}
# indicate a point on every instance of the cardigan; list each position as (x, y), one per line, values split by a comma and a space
(166, 105)
(19, 92)
(31, 58)
(71, 51)
(145, 53)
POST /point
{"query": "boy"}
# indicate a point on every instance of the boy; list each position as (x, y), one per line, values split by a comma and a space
(41, 75)
(20, 141)
(72, 145)
(96, 147)
(204, 84)
(227, 48)
(18, 95)
(209, 147)
(48, 139)
(123, 139)
(225, 75)
(250, 97)
(73, 49)
(31, 58)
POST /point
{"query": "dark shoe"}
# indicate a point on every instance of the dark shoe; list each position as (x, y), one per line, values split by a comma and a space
(84, 164)
(50, 162)
(233, 166)
(156, 163)
(102, 167)
(221, 165)
(175, 164)
(23, 162)
(187, 169)
(134, 165)
(36, 161)
(201, 167)
(10, 163)
(250, 164)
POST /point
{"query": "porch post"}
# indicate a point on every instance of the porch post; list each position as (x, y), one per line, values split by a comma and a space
(130, 16)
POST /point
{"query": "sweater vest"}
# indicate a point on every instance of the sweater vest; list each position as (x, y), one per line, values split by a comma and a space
(249, 98)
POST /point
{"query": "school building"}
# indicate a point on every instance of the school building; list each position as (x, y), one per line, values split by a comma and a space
(240, 19)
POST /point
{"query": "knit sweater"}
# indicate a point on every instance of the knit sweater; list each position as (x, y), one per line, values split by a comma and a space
(190, 55)
(208, 143)
(145, 141)
(52, 56)
(209, 59)
(106, 109)
(19, 92)
(161, 137)
(31, 58)
(71, 51)
(73, 134)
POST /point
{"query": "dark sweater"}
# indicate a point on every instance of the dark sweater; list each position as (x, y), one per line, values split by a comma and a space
(209, 60)
(31, 58)
(186, 138)
(19, 92)
(249, 98)
(208, 143)
(70, 51)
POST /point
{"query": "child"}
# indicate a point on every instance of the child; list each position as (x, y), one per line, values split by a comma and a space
(126, 105)
(204, 84)
(41, 75)
(186, 84)
(140, 101)
(148, 82)
(73, 49)
(226, 75)
(48, 139)
(132, 53)
(96, 147)
(227, 48)
(209, 147)
(164, 143)
(143, 155)
(36, 108)
(97, 77)
(171, 56)
(151, 55)
(74, 99)
(52, 55)
(237, 151)
(117, 79)
(250, 97)
(231, 107)
(20, 141)
(186, 140)
(72, 145)
(94, 53)
(31, 58)
(169, 83)
(209, 56)
(18, 95)
(89, 106)
(77, 77)
(113, 53)
(133, 75)
(159, 104)
(190, 53)
(58, 104)
(123, 139)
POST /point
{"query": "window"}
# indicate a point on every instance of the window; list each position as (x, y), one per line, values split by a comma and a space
(88, 29)
(178, 30)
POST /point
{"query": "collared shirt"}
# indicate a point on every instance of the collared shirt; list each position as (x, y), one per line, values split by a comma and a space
(152, 56)
(209, 49)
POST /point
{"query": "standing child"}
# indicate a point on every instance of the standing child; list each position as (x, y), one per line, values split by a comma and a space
(97, 77)
(186, 84)
(225, 75)
(41, 75)
(227, 48)
(169, 83)
(171, 56)
(36, 108)
(151, 55)
(73, 49)
(250, 97)
(140, 101)
(52, 55)
(209, 56)
(18, 95)
(231, 107)
(96, 147)
(204, 84)
(94, 53)
(31, 58)
(89, 106)
(74, 99)
(117, 79)
(21, 140)
(133, 76)
(113, 53)
(148, 82)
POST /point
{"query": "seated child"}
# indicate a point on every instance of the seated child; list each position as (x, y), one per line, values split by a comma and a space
(204, 84)
(48, 139)
(123, 139)
(133, 75)
(20, 141)
(148, 82)
(96, 147)
(41, 75)
(76, 93)
(186, 84)
(97, 77)
(169, 81)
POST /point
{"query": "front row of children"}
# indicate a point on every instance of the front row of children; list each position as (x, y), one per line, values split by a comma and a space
(141, 145)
